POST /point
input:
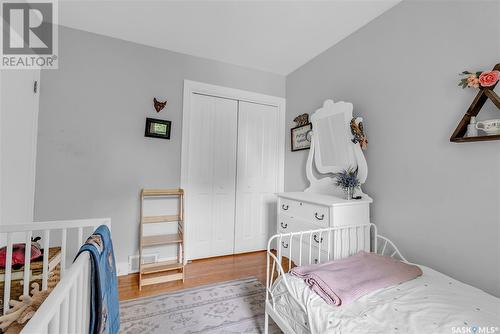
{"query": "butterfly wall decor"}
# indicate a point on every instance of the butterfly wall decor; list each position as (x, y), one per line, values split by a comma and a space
(159, 105)
(302, 119)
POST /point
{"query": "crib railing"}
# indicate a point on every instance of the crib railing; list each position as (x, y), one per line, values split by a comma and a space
(66, 308)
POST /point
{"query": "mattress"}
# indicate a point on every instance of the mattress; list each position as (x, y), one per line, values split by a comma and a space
(432, 303)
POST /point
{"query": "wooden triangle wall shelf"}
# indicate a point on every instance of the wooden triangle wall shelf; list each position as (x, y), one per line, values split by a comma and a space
(474, 109)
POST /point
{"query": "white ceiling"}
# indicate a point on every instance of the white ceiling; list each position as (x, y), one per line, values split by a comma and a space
(273, 36)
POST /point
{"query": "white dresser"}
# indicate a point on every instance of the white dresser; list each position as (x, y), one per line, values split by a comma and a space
(323, 204)
(301, 211)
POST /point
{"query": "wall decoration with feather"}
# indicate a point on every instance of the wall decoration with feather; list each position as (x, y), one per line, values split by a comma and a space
(358, 132)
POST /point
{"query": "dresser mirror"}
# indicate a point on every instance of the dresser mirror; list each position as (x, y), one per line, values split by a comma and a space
(332, 149)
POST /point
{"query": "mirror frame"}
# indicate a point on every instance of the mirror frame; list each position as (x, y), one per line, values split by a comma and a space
(325, 184)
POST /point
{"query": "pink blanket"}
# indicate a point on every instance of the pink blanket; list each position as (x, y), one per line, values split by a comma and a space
(341, 282)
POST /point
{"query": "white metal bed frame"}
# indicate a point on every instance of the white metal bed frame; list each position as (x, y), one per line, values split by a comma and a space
(332, 234)
(66, 309)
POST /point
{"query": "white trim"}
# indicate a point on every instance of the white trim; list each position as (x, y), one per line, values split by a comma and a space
(122, 267)
(34, 147)
(194, 87)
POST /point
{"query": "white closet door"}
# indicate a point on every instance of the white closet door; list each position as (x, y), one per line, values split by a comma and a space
(257, 177)
(210, 201)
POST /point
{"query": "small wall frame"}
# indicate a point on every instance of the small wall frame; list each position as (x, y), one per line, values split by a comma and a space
(158, 128)
(300, 139)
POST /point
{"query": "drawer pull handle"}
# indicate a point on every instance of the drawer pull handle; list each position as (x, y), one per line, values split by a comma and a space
(319, 217)
(284, 225)
(315, 261)
(316, 239)
(284, 207)
(285, 245)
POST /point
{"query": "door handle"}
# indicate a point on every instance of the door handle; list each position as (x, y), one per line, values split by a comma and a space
(319, 217)
(284, 207)
(285, 245)
(316, 239)
(283, 225)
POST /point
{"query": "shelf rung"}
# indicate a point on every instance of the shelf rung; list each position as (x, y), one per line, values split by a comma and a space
(151, 268)
(161, 239)
(162, 279)
(475, 138)
(162, 192)
(160, 219)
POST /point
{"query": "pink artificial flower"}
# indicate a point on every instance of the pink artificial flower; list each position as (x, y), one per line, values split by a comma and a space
(473, 81)
(489, 78)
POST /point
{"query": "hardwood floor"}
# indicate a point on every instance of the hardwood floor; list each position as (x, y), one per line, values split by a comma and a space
(201, 272)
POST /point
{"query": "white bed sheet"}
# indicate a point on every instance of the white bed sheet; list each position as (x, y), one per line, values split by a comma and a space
(432, 303)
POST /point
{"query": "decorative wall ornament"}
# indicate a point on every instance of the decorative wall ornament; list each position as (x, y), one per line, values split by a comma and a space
(479, 79)
(158, 128)
(158, 105)
(486, 82)
(300, 137)
(358, 132)
(301, 119)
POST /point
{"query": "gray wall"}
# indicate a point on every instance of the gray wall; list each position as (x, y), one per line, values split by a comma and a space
(439, 201)
(92, 157)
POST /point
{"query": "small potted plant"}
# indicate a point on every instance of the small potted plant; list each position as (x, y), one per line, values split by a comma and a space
(348, 181)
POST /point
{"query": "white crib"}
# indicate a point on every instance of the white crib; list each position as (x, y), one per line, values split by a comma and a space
(66, 309)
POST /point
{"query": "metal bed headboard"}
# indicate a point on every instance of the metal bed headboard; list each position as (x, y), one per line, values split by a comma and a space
(318, 246)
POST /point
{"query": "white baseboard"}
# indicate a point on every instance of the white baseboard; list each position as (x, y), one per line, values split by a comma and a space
(122, 267)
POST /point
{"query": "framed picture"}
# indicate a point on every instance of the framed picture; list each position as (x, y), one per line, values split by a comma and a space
(300, 137)
(158, 128)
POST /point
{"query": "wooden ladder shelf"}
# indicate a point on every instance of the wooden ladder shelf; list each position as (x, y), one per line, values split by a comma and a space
(484, 94)
(163, 271)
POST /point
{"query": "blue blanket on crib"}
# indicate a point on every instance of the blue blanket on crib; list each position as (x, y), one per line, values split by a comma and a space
(104, 306)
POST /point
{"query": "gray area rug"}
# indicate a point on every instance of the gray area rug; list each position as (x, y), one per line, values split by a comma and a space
(229, 307)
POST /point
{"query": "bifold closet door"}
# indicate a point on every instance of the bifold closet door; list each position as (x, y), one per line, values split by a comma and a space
(257, 176)
(210, 200)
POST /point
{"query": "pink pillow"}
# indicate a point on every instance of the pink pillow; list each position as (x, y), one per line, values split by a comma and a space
(18, 254)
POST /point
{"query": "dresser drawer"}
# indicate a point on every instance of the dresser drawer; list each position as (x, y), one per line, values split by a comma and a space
(287, 224)
(308, 255)
(288, 207)
(320, 239)
(310, 213)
